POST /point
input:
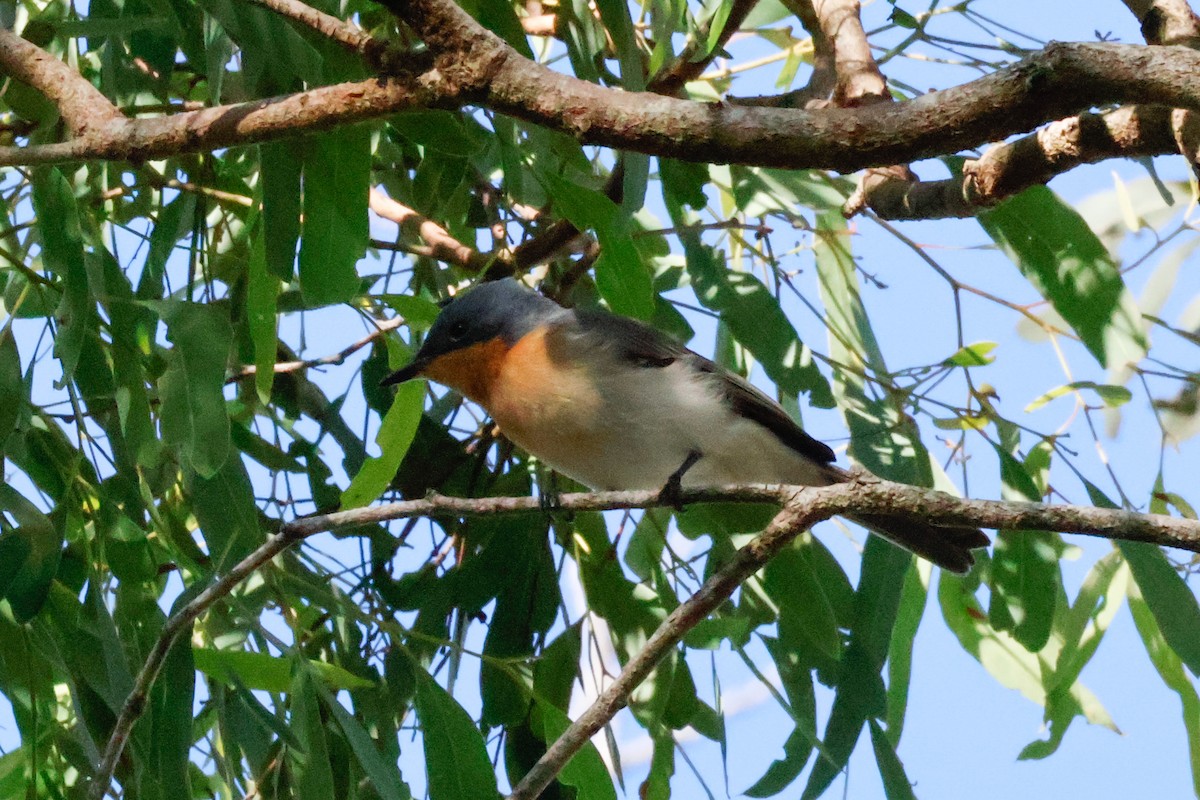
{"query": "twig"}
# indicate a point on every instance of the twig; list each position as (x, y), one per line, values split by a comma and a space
(333, 359)
(442, 245)
(380, 53)
(687, 66)
(803, 507)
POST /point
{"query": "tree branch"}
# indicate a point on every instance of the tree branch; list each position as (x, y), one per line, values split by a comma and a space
(443, 246)
(378, 52)
(687, 66)
(1006, 169)
(85, 110)
(1167, 21)
(859, 81)
(333, 359)
(475, 67)
(802, 507)
(241, 124)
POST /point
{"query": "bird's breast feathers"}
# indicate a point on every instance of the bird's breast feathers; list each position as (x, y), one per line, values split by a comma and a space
(545, 400)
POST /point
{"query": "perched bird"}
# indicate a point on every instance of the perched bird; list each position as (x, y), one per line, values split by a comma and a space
(616, 404)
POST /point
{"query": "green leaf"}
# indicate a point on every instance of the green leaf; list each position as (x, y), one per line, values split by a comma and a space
(337, 171)
(1112, 396)
(896, 784)
(385, 777)
(456, 761)
(783, 771)
(396, 433)
(268, 673)
(262, 294)
(1173, 604)
(62, 254)
(791, 581)
(757, 322)
(1069, 265)
(29, 555)
(193, 414)
(12, 387)
(225, 510)
(1170, 669)
(972, 355)
(314, 775)
(622, 278)
(1025, 579)
(418, 312)
(171, 715)
(913, 598)
(282, 164)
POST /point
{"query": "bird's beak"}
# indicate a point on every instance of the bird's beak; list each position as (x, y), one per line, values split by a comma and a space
(406, 373)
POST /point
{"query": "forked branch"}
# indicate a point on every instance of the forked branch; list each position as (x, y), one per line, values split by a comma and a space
(802, 507)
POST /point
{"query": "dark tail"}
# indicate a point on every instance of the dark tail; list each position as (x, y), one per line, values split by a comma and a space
(947, 546)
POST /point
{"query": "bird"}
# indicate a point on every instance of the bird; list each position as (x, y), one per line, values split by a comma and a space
(616, 404)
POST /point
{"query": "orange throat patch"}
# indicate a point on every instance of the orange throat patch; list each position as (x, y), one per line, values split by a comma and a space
(471, 371)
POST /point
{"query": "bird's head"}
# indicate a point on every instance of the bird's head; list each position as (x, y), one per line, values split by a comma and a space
(469, 339)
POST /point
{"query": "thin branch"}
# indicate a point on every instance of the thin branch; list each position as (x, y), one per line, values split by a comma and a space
(380, 53)
(332, 359)
(802, 507)
(689, 64)
(241, 124)
(442, 245)
(85, 110)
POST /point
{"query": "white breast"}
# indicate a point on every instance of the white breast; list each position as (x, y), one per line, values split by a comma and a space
(650, 419)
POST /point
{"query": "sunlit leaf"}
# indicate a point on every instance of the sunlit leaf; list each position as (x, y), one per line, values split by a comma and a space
(1066, 262)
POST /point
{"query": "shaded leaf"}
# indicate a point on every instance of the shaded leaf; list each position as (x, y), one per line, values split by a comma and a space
(193, 414)
(456, 760)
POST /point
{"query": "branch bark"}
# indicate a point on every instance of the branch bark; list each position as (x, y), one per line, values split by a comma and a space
(1167, 21)
(802, 507)
(475, 67)
(83, 108)
(859, 81)
(1006, 169)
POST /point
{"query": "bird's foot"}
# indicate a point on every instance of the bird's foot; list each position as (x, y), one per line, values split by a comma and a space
(672, 492)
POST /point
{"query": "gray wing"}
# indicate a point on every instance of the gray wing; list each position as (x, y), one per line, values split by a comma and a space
(648, 347)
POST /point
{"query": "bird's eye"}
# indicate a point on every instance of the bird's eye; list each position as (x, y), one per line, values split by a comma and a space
(457, 331)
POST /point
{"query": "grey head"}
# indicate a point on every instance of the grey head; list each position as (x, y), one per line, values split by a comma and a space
(503, 309)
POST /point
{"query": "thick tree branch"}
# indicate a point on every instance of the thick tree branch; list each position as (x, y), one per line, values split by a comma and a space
(1167, 21)
(802, 507)
(475, 67)
(1006, 169)
(241, 124)
(1060, 80)
(859, 81)
(85, 110)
